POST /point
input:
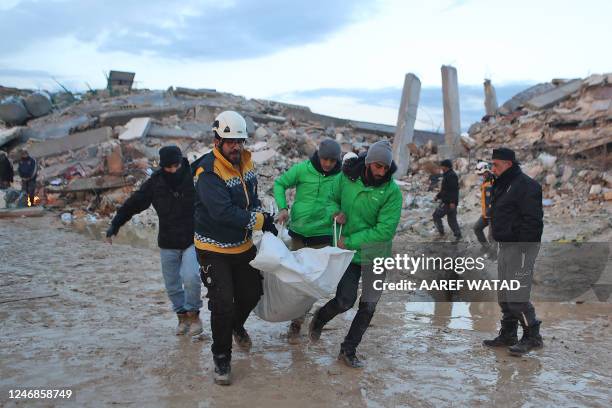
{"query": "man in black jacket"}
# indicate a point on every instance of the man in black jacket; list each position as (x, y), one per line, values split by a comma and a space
(6, 171)
(172, 193)
(449, 199)
(516, 220)
(28, 169)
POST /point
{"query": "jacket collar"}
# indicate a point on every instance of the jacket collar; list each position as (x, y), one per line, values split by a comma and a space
(358, 170)
(245, 161)
(314, 159)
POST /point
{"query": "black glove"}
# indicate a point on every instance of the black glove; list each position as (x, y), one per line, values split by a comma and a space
(268, 224)
(112, 230)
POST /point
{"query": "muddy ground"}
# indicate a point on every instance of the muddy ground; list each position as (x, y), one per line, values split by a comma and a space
(101, 326)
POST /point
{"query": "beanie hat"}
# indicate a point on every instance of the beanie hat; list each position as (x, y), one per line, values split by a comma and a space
(446, 163)
(380, 152)
(169, 155)
(503, 153)
(329, 149)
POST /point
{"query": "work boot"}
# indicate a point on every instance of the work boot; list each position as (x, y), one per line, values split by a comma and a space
(315, 327)
(350, 359)
(507, 335)
(293, 334)
(195, 324)
(183, 323)
(531, 340)
(242, 339)
(223, 369)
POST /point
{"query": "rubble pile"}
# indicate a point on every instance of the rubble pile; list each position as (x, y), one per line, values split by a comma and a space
(93, 150)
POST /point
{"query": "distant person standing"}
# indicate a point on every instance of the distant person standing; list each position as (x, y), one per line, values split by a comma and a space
(483, 169)
(449, 200)
(28, 169)
(6, 171)
(517, 221)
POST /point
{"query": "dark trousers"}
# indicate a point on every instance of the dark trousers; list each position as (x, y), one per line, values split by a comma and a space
(442, 211)
(346, 295)
(479, 227)
(514, 262)
(234, 288)
(29, 187)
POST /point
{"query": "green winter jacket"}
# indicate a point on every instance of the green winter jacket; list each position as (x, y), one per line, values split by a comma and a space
(312, 198)
(372, 214)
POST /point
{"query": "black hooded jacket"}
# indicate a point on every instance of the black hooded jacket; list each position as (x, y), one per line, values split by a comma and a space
(516, 209)
(449, 192)
(173, 199)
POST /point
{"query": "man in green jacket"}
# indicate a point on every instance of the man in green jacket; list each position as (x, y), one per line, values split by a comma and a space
(368, 202)
(312, 180)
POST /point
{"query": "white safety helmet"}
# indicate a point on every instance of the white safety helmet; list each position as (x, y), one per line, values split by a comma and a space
(348, 156)
(230, 125)
(482, 168)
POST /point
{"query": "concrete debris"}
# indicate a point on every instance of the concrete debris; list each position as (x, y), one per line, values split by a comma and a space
(38, 104)
(84, 171)
(13, 111)
(73, 142)
(136, 128)
(554, 96)
(7, 135)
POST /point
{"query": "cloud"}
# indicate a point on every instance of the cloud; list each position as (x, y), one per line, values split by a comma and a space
(430, 112)
(23, 73)
(197, 29)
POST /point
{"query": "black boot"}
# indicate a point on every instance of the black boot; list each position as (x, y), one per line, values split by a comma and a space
(223, 369)
(242, 339)
(350, 359)
(531, 340)
(315, 327)
(507, 335)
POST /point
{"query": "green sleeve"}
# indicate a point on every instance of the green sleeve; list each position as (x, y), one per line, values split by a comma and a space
(287, 180)
(335, 196)
(386, 224)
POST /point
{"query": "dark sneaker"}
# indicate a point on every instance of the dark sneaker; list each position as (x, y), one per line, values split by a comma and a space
(242, 339)
(315, 327)
(293, 334)
(350, 359)
(223, 370)
(507, 336)
(531, 340)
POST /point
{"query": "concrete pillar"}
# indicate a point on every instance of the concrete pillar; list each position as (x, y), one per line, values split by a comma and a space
(450, 99)
(490, 98)
(404, 131)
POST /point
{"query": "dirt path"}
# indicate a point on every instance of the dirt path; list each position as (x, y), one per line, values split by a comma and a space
(106, 332)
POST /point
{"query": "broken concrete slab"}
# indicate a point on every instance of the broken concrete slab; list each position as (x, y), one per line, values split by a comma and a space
(520, 98)
(56, 170)
(22, 212)
(13, 111)
(200, 92)
(72, 142)
(136, 128)
(42, 129)
(114, 161)
(6, 135)
(265, 118)
(262, 155)
(38, 104)
(92, 184)
(121, 117)
(163, 131)
(554, 96)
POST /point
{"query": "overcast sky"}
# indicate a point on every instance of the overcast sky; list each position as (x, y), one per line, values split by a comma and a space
(340, 57)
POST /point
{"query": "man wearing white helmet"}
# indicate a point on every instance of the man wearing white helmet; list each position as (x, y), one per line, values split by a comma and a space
(483, 169)
(227, 211)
